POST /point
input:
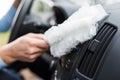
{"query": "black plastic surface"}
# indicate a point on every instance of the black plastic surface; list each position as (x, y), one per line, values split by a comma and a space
(106, 65)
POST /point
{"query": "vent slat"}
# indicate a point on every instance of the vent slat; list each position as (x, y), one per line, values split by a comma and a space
(106, 28)
(90, 60)
(83, 50)
(82, 66)
(101, 31)
(100, 53)
(95, 54)
(85, 61)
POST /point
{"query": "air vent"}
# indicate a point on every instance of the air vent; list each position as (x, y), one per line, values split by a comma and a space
(93, 51)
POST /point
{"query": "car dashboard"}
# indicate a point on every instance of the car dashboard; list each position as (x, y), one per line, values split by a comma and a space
(96, 59)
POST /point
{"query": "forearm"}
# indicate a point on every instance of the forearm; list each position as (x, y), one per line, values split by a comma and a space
(5, 22)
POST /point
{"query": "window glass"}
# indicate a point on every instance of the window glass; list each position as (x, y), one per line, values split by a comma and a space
(91, 2)
(4, 7)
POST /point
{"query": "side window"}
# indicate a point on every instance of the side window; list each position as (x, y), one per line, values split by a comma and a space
(40, 13)
(4, 7)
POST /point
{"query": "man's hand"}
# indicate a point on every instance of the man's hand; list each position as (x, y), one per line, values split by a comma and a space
(26, 48)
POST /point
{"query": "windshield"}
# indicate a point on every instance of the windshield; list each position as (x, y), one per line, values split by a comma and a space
(89, 2)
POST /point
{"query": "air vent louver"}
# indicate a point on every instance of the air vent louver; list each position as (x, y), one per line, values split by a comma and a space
(94, 50)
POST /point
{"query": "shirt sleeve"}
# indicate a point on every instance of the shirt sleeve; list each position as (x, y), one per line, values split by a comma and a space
(6, 21)
(2, 64)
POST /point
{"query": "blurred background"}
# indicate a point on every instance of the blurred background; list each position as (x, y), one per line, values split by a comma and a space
(4, 7)
(4, 37)
(39, 6)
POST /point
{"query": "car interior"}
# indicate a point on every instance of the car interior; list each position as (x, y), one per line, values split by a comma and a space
(96, 59)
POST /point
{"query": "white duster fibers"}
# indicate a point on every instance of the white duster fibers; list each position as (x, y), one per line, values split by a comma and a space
(78, 28)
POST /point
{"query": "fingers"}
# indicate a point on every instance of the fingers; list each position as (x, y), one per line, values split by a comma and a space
(38, 39)
(43, 44)
(28, 47)
(34, 57)
(31, 57)
(33, 35)
(35, 50)
(40, 43)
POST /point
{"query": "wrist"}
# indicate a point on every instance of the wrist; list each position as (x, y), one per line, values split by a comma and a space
(16, 3)
(6, 54)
